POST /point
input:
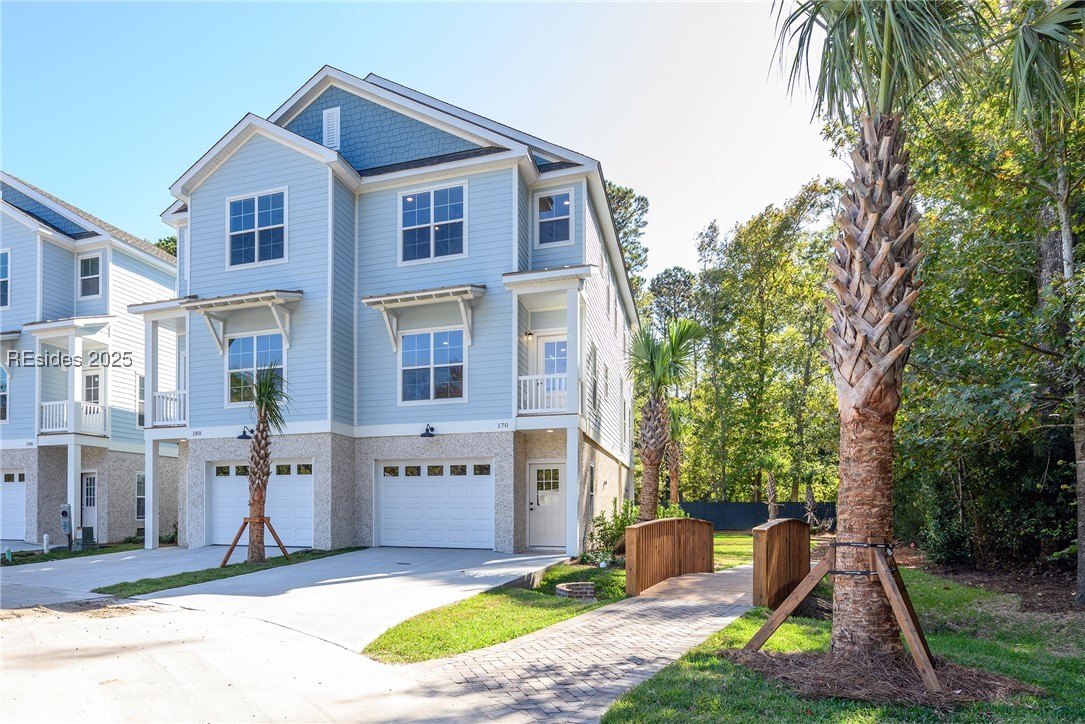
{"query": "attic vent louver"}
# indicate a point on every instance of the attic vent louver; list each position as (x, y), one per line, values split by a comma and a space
(331, 128)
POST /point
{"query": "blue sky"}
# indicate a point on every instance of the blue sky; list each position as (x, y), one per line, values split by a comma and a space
(105, 105)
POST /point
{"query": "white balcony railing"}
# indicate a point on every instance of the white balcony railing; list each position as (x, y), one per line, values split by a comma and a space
(169, 408)
(543, 394)
(54, 416)
(91, 419)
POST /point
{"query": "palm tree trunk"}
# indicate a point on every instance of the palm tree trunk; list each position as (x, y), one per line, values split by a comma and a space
(259, 472)
(872, 332)
(654, 427)
(1079, 456)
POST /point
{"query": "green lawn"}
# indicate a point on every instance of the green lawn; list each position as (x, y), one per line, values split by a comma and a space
(733, 549)
(494, 616)
(150, 585)
(22, 558)
(970, 626)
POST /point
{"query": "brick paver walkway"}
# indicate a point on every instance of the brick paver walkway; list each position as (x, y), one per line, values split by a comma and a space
(574, 670)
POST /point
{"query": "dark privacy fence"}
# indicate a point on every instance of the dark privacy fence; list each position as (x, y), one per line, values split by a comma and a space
(743, 516)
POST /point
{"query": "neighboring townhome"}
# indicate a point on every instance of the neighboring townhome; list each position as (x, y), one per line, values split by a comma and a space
(71, 364)
(446, 299)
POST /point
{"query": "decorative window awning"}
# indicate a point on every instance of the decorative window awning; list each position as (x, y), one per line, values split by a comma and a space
(388, 304)
(216, 310)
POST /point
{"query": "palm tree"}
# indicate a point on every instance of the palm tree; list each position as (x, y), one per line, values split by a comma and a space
(676, 425)
(874, 59)
(657, 363)
(269, 401)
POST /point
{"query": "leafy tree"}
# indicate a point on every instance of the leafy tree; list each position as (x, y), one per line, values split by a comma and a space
(168, 244)
(269, 400)
(657, 363)
(672, 296)
(630, 211)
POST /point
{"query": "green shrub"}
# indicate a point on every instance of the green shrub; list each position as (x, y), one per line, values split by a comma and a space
(673, 510)
(607, 531)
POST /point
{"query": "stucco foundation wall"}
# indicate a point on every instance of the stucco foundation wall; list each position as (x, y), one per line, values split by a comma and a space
(26, 460)
(611, 478)
(180, 484)
(200, 453)
(500, 446)
(117, 494)
(52, 491)
(337, 509)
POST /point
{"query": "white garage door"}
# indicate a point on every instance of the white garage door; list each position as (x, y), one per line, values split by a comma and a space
(289, 502)
(13, 505)
(436, 503)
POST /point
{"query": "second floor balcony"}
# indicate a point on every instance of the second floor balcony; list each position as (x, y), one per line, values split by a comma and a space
(79, 417)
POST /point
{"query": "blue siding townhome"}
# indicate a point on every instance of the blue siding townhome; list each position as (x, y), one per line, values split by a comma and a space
(71, 370)
(446, 299)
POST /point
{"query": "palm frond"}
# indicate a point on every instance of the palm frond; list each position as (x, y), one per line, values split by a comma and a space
(269, 396)
(1043, 53)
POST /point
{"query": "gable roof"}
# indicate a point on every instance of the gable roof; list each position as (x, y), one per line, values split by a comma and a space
(87, 224)
(236, 137)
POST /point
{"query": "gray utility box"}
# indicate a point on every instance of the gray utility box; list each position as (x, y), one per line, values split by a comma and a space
(84, 538)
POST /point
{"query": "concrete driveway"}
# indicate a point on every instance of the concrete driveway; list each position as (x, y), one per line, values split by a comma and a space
(73, 579)
(350, 599)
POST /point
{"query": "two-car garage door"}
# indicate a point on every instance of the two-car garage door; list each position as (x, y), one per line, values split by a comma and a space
(435, 503)
(289, 502)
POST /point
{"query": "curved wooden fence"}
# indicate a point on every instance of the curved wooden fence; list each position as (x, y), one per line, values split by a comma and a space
(660, 549)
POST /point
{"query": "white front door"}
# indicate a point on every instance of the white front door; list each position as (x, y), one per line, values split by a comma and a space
(546, 504)
(90, 502)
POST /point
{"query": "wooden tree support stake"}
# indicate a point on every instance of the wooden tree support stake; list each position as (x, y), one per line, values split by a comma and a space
(887, 572)
(240, 531)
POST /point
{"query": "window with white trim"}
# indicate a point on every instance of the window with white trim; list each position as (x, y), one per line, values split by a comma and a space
(3, 395)
(141, 496)
(331, 127)
(5, 278)
(591, 480)
(141, 397)
(554, 215)
(258, 229)
(432, 366)
(247, 357)
(432, 224)
(90, 276)
(593, 364)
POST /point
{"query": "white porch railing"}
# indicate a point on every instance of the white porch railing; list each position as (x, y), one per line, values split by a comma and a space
(54, 416)
(93, 419)
(543, 394)
(169, 408)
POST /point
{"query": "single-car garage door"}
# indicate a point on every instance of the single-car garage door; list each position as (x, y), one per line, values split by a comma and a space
(289, 502)
(436, 503)
(13, 505)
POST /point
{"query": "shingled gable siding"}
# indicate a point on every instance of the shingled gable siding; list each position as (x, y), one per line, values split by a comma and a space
(17, 198)
(262, 165)
(489, 361)
(372, 135)
(547, 257)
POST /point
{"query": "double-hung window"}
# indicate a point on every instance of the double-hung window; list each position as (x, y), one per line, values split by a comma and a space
(90, 276)
(555, 213)
(432, 366)
(5, 278)
(258, 229)
(432, 224)
(141, 400)
(248, 357)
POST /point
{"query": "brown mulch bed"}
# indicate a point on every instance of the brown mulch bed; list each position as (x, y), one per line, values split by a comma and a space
(1050, 592)
(884, 679)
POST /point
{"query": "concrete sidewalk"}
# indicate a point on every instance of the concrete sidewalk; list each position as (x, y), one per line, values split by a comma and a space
(351, 599)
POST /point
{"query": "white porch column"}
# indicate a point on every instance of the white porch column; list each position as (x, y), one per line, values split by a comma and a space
(75, 384)
(150, 493)
(150, 376)
(572, 491)
(75, 467)
(572, 349)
